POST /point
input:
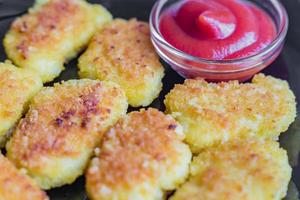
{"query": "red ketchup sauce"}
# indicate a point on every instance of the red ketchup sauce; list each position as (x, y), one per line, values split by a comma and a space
(217, 29)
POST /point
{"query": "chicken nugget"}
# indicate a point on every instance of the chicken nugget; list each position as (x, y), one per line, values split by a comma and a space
(63, 125)
(213, 113)
(122, 52)
(17, 87)
(141, 157)
(52, 33)
(16, 186)
(248, 170)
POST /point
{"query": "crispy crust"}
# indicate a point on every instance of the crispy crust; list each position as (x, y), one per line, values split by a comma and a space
(51, 33)
(64, 123)
(34, 29)
(214, 113)
(17, 87)
(140, 157)
(122, 52)
(238, 170)
(15, 186)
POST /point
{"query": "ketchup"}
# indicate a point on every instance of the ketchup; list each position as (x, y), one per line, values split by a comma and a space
(217, 29)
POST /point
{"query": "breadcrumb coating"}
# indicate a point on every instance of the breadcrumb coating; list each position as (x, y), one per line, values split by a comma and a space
(17, 186)
(63, 125)
(141, 157)
(17, 87)
(213, 113)
(237, 170)
(53, 32)
(123, 53)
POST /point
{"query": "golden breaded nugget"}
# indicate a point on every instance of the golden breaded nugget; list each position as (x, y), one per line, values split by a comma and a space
(122, 52)
(17, 87)
(63, 125)
(140, 157)
(53, 32)
(247, 170)
(16, 186)
(214, 113)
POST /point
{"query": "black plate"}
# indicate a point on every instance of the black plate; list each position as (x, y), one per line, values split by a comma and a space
(287, 66)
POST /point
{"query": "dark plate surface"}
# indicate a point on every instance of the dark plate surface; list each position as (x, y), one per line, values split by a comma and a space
(287, 67)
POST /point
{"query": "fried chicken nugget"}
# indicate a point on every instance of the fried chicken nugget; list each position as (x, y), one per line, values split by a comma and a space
(215, 113)
(16, 186)
(17, 87)
(122, 52)
(63, 125)
(140, 157)
(53, 32)
(248, 170)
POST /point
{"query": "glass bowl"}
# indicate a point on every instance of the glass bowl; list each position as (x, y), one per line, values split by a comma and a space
(241, 69)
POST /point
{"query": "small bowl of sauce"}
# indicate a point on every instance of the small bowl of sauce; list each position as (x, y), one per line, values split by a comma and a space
(218, 40)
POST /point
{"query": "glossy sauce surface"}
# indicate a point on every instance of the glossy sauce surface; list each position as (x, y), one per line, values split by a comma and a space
(217, 29)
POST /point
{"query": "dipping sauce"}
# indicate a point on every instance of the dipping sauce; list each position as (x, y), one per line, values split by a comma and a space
(217, 29)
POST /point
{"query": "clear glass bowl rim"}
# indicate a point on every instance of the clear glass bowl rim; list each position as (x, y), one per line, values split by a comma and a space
(276, 43)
